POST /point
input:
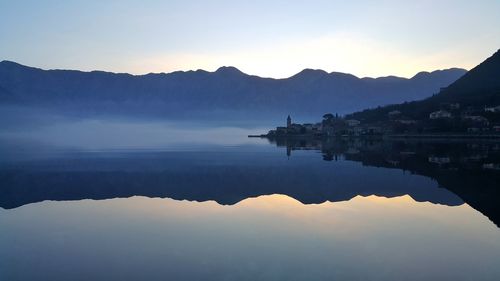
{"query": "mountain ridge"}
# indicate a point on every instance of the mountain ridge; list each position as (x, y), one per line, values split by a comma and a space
(226, 67)
(477, 88)
(311, 92)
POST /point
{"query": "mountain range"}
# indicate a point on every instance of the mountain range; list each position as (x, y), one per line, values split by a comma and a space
(309, 92)
(478, 88)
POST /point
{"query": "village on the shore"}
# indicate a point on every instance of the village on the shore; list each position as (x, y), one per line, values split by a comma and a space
(450, 120)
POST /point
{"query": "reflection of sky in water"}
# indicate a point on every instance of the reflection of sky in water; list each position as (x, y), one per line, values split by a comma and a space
(49, 139)
(119, 134)
(269, 237)
(272, 237)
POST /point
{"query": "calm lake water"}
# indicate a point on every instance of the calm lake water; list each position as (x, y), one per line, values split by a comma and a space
(259, 210)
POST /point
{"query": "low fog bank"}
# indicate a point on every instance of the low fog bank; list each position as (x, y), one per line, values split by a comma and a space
(214, 117)
(23, 127)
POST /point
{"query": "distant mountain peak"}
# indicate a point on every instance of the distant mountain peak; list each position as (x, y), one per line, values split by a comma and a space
(12, 63)
(343, 74)
(229, 70)
(420, 74)
(448, 71)
(309, 73)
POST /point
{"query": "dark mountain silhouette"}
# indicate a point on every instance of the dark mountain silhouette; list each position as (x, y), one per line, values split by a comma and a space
(235, 177)
(477, 88)
(227, 89)
(183, 176)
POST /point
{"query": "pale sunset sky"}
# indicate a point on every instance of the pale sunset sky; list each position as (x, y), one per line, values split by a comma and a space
(266, 38)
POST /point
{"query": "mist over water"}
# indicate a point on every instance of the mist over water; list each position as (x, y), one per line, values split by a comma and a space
(167, 194)
(24, 128)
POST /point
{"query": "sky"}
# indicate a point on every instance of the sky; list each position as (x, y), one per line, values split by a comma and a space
(266, 38)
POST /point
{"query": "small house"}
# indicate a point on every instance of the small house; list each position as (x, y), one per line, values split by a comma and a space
(493, 109)
(440, 114)
(352, 122)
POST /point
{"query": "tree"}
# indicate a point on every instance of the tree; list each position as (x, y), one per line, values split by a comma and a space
(328, 117)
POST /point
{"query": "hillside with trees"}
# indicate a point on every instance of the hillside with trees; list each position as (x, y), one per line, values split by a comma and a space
(477, 93)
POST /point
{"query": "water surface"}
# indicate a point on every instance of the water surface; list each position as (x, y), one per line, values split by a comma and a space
(269, 210)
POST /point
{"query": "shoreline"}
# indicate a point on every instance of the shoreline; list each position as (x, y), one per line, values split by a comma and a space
(445, 136)
(391, 136)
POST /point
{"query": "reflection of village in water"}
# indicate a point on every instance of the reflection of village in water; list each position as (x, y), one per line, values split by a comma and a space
(469, 169)
(399, 153)
(446, 172)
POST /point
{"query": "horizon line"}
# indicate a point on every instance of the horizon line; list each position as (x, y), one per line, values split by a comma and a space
(230, 67)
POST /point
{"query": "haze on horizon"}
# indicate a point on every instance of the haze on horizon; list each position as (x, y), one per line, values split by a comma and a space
(276, 39)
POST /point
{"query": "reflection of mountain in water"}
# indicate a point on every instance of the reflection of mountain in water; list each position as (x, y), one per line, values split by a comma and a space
(228, 178)
(470, 170)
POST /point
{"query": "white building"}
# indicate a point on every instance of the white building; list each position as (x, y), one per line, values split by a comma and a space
(439, 160)
(352, 122)
(440, 114)
(492, 109)
(407, 122)
(476, 119)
